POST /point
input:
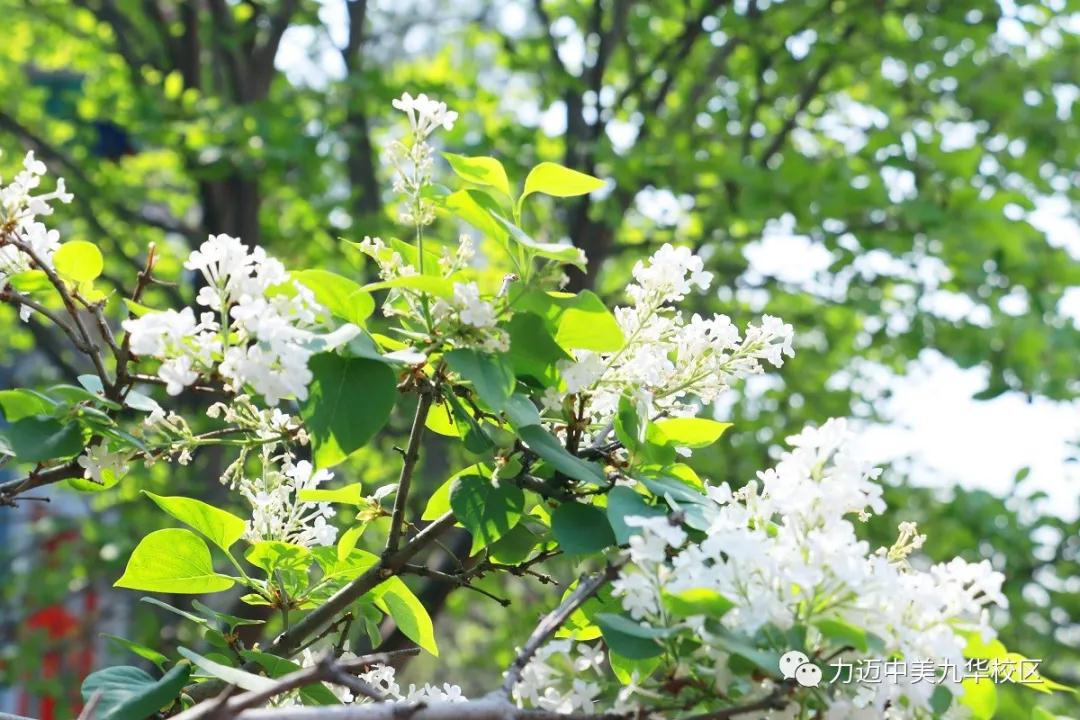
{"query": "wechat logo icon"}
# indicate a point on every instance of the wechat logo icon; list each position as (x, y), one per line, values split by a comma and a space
(796, 666)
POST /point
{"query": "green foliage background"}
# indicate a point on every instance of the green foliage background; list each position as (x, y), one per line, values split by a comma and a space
(170, 121)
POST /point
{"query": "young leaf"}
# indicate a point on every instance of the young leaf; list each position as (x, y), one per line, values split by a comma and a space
(480, 170)
(486, 511)
(271, 555)
(351, 494)
(232, 676)
(980, 697)
(218, 526)
(173, 560)
(435, 286)
(79, 261)
(491, 375)
(581, 528)
(560, 252)
(687, 432)
(554, 179)
(409, 614)
(142, 651)
(342, 297)
(349, 400)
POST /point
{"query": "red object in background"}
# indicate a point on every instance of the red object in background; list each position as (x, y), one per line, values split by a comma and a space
(68, 652)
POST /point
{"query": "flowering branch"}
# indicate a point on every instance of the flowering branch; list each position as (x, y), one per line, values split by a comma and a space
(555, 620)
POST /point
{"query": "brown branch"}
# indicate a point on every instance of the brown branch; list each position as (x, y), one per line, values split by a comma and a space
(287, 643)
(554, 620)
(412, 454)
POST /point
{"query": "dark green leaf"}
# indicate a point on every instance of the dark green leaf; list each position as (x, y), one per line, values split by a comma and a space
(581, 528)
(349, 400)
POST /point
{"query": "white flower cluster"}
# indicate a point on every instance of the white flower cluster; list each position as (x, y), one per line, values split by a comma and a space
(257, 329)
(668, 359)
(565, 678)
(383, 678)
(784, 551)
(413, 162)
(277, 513)
(466, 316)
(19, 210)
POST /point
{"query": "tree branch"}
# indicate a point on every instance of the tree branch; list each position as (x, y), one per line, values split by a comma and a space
(412, 454)
(554, 620)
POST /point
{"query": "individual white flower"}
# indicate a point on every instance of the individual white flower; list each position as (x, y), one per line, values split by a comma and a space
(98, 461)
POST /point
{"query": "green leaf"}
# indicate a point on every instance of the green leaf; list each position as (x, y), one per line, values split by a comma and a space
(843, 632)
(533, 351)
(409, 614)
(581, 528)
(129, 693)
(475, 439)
(628, 638)
(220, 527)
(624, 667)
(491, 375)
(629, 428)
(515, 546)
(587, 324)
(547, 446)
(351, 494)
(173, 561)
(342, 297)
(480, 210)
(560, 181)
(271, 555)
(176, 611)
(687, 432)
(698, 601)
(225, 620)
(349, 400)
(624, 502)
(521, 411)
(486, 511)
(980, 697)
(480, 170)
(37, 439)
(436, 286)
(347, 541)
(78, 260)
(142, 651)
(439, 502)
(232, 676)
(18, 404)
(560, 252)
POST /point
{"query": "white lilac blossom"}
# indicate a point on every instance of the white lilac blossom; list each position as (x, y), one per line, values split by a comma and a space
(562, 678)
(20, 207)
(100, 465)
(787, 538)
(413, 162)
(668, 359)
(278, 513)
(257, 328)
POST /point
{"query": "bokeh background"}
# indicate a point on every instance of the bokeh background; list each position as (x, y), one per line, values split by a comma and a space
(898, 179)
